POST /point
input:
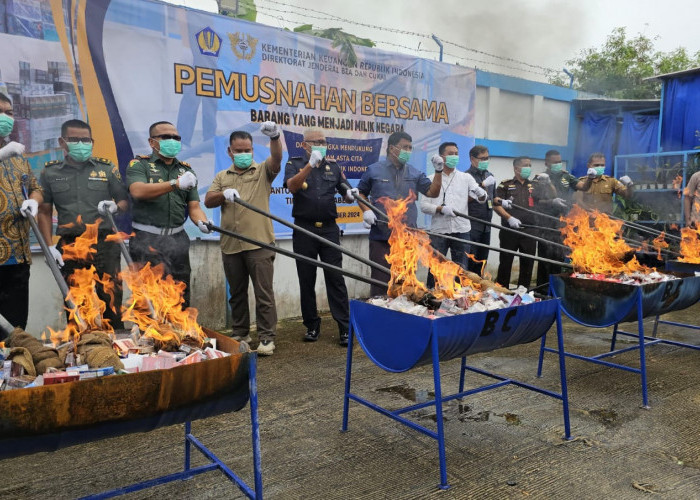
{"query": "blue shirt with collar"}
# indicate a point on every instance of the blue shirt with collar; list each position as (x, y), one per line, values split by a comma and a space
(384, 179)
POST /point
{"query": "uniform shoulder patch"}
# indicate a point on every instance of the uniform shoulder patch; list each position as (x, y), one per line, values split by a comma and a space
(135, 161)
(102, 160)
(52, 163)
(143, 157)
(186, 164)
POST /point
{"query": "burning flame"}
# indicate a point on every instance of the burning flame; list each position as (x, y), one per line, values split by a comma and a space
(84, 246)
(660, 243)
(677, 184)
(409, 248)
(690, 245)
(171, 323)
(598, 249)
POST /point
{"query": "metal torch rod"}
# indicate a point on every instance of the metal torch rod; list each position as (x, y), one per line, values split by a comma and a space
(503, 228)
(301, 258)
(311, 234)
(5, 326)
(62, 285)
(128, 259)
(641, 228)
(452, 238)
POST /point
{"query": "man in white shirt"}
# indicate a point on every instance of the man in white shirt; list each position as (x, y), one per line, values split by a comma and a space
(454, 195)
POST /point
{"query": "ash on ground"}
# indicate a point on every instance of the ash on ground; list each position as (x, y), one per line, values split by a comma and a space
(487, 301)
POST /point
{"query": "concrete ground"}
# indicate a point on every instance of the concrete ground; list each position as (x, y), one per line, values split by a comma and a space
(504, 443)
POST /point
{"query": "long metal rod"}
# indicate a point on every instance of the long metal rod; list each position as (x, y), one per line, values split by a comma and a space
(503, 228)
(6, 326)
(641, 228)
(311, 234)
(298, 257)
(51, 262)
(483, 245)
(129, 260)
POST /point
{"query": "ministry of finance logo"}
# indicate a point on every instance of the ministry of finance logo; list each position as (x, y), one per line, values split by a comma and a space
(243, 45)
(208, 41)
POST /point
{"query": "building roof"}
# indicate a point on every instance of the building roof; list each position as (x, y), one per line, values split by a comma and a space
(675, 74)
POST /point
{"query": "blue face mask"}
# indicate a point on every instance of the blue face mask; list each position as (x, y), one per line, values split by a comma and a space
(7, 123)
(599, 171)
(556, 168)
(483, 165)
(169, 148)
(243, 160)
(525, 172)
(451, 161)
(79, 151)
(404, 156)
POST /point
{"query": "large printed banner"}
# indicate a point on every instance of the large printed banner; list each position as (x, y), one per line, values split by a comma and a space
(125, 64)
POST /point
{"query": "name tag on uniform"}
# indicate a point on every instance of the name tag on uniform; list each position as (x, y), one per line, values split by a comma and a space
(101, 179)
(490, 204)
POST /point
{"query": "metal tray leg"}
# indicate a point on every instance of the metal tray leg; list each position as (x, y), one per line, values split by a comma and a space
(348, 372)
(438, 412)
(614, 337)
(562, 374)
(461, 374)
(642, 351)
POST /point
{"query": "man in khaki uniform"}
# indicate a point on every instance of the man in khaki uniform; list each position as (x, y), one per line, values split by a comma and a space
(691, 204)
(595, 190)
(251, 182)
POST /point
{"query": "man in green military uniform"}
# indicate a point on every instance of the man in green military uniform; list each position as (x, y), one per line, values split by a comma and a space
(164, 191)
(552, 193)
(596, 189)
(16, 182)
(83, 186)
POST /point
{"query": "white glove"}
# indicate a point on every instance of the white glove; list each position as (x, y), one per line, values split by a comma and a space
(507, 204)
(187, 180)
(56, 255)
(369, 218)
(107, 205)
(592, 174)
(230, 194)
(542, 178)
(11, 149)
(270, 129)
(478, 193)
(31, 206)
(448, 211)
(355, 193)
(625, 179)
(438, 162)
(315, 159)
(349, 196)
(514, 223)
(202, 226)
(489, 181)
(559, 203)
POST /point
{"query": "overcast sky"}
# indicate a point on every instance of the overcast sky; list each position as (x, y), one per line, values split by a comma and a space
(542, 33)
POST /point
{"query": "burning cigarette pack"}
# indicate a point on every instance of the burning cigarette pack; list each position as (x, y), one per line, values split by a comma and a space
(60, 377)
(157, 363)
(214, 354)
(125, 346)
(98, 372)
(195, 357)
(637, 278)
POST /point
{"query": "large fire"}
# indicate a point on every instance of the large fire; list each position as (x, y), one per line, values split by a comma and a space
(690, 245)
(169, 325)
(409, 248)
(596, 244)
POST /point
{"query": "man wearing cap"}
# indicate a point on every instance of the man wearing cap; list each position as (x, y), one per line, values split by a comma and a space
(164, 191)
(16, 181)
(313, 180)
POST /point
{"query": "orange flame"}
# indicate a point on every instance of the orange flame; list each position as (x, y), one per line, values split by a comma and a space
(410, 247)
(84, 246)
(690, 245)
(166, 296)
(118, 237)
(677, 182)
(598, 249)
(673, 227)
(659, 243)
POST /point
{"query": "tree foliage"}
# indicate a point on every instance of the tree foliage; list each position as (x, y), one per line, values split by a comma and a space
(340, 39)
(619, 67)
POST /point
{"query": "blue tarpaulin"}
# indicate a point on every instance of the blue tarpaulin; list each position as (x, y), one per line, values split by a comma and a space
(639, 134)
(597, 133)
(680, 128)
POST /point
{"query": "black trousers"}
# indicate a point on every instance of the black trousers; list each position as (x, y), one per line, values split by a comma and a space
(107, 260)
(173, 251)
(480, 233)
(14, 294)
(512, 241)
(544, 269)
(336, 291)
(378, 251)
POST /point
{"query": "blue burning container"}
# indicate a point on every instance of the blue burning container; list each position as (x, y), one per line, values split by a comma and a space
(397, 342)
